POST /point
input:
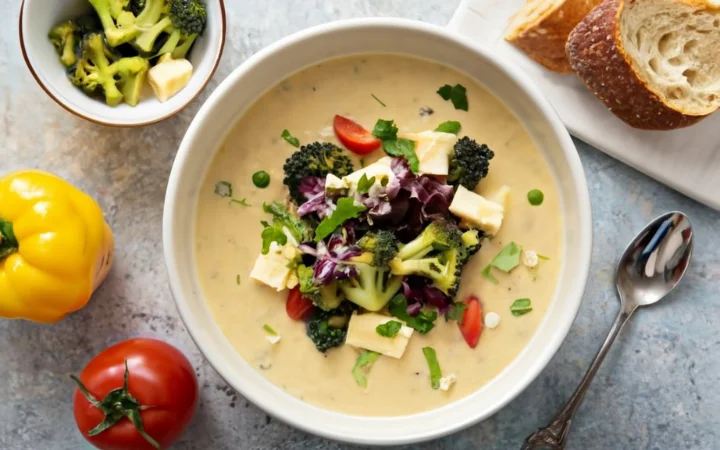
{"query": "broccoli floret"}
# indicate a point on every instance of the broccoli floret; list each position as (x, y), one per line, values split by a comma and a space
(439, 253)
(64, 38)
(328, 329)
(184, 22)
(289, 222)
(470, 163)
(99, 71)
(382, 245)
(314, 160)
(121, 26)
(325, 297)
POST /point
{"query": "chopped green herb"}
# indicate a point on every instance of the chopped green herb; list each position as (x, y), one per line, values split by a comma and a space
(385, 130)
(546, 258)
(224, 189)
(362, 162)
(365, 184)
(345, 210)
(404, 148)
(295, 142)
(536, 197)
(261, 179)
(456, 94)
(362, 367)
(506, 260)
(434, 366)
(449, 127)
(456, 312)
(423, 322)
(237, 279)
(521, 306)
(272, 233)
(378, 100)
(241, 201)
(389, 329)
(269, 329)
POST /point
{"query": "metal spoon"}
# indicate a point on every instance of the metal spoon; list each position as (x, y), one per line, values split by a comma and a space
(650, 268)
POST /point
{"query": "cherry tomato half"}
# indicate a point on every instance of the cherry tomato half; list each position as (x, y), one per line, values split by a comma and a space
(472, 323)
(356, 138)
(297, 306)
(161, 390)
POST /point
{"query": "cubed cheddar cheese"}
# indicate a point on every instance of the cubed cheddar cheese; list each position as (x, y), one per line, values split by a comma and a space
(170, 77)
(362, 334)
(476, 211)
(433, 150)
(272, 269)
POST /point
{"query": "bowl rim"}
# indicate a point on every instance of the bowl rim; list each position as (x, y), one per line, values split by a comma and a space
(68, 108)
(575, 169)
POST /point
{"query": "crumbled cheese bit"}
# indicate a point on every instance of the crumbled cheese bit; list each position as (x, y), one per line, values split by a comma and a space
(273, 339)
(492, 320)
(446, 382)
(530, 258)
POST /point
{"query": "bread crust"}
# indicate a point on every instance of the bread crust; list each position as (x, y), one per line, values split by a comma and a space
(595, 52)
(544, 40)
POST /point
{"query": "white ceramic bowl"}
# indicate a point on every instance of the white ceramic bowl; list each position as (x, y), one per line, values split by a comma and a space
(38, 16)
(263, 71)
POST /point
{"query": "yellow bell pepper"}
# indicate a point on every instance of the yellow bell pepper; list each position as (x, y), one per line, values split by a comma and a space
(55, 247)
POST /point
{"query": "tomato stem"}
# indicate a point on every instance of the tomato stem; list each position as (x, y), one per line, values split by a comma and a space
(8, 242)
(117, 404)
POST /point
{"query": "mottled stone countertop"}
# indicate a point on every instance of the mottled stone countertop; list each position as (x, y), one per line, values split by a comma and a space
(657, 389)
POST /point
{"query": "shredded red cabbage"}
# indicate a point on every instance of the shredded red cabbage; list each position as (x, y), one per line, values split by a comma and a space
(331, 259)
(419, 292)
(313, 188)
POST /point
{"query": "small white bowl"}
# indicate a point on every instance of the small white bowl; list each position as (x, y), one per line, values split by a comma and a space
(371, 36)
(38, 16)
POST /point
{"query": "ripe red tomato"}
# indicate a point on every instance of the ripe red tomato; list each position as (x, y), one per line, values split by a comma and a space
(472, 323)
(297, 306)
(162, 391)
(356, 138)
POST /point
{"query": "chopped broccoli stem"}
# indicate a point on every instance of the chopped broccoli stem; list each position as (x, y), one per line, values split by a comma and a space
(114, 33)
(373, 288)
(146, 41)
(64, 39)
(182, 50)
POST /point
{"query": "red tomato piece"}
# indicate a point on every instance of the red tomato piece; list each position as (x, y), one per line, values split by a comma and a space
(356, 138)
(297, 306)
(472, 323)
(161, 388)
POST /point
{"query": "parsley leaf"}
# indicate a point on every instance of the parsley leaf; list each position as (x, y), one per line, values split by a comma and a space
(389, 329)
(365, 184)
(449, 127)
(272, 233)
(295, 142)
(434, 366)
(506, 260)
(423, 322)
(404, 148)
(363, 364)
(224, 189)
(378, 100)
(270, 330)
(241, 201)
(445, 92)
(456, 94)
(456, 312)
(385, 130)
(345, 210)
(521, 306)
(238, 280)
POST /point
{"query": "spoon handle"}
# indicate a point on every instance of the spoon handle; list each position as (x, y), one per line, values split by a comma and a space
(554, 436)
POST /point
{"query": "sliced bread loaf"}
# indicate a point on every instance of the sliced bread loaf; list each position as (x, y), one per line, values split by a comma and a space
(541, 28)
(655, 63)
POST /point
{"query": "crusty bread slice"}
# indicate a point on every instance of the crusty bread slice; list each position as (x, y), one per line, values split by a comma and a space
(655, 63)
(541, 28)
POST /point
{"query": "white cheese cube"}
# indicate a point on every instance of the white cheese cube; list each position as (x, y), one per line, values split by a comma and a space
(333, 183)
(530, 258)
(273, 339)
(362, 334)
(272, 269)
(492, 320)
(433, 150)
(380, 169)
(169, 78)
(446, 382)
(476, 211)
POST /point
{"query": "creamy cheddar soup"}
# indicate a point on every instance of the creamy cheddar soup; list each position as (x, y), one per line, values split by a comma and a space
(228, 240)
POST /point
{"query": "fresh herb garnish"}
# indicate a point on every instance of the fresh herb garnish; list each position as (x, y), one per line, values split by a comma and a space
(546, 258)
(362, 367)
(506, 260)
(521, 306)
(378, 100)
(295, 142)
(261, 179)
(389, 329)
(404, 148)
(536, 197)
(270, 330)
(224, 189)
(450, 126)
(237, 279)
(456, 312)
(456, 94)
(434, 366)
(346, 209)
(365, 184)
(423, 322)
(240, 201)
(362, 162)
(385, 130)
(272, 233)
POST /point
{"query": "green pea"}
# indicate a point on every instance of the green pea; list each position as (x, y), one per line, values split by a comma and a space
(261, 179)
(536, 197)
